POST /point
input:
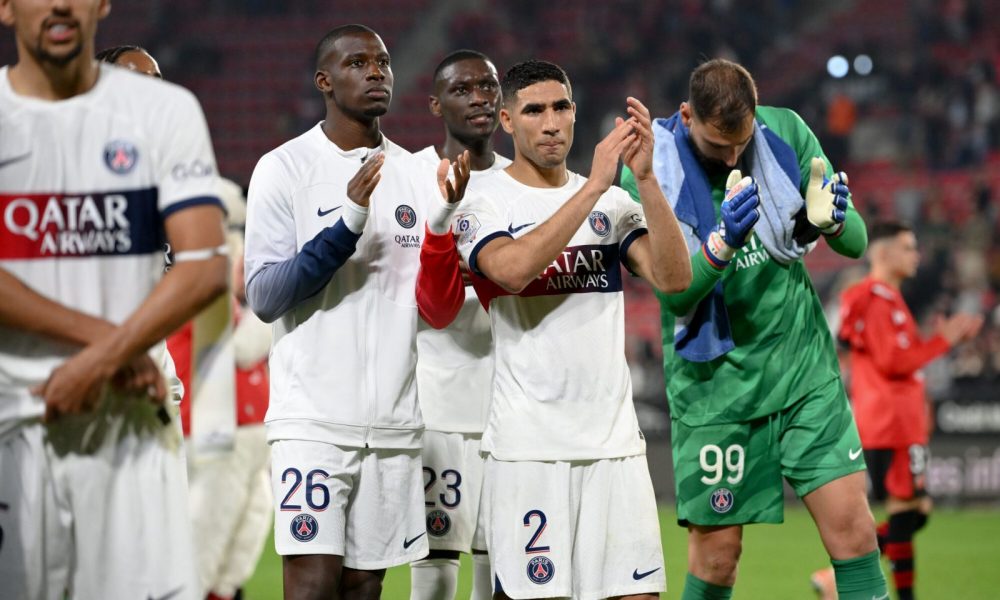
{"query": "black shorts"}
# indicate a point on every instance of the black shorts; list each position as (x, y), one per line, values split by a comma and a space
(898, 472)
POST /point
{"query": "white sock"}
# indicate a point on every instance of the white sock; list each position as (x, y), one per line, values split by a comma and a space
(482, 580)
(433, 579)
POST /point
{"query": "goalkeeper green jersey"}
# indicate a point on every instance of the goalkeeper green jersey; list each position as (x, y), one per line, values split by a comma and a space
(783, 347)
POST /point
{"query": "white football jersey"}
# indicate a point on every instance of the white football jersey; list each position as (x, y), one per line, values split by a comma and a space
(343, 360)
(561, 390)
(455, 364)
(85, 186)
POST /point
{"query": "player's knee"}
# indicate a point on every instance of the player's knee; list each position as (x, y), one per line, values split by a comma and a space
(361, 585)
(903, 525)
(311, 586)
(853, 534)
(717, 563)
(310, 577)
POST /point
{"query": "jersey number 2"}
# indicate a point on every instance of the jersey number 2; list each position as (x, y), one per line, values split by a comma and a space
(530, 547)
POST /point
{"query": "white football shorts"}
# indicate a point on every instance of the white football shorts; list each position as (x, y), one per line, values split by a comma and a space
(95, 506)
(581, 529)
(365, 504)
(453, 485)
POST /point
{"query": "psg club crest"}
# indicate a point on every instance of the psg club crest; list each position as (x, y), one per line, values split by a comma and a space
(304, 527)
(120, 156)
(405, 216)
(721, 500)
(600, 223)
(438, 523)
(541, 570)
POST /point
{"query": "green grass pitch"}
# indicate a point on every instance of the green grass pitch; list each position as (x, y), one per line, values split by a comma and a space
(958, 556)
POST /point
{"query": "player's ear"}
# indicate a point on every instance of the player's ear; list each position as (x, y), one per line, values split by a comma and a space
(6, 13)
(685, 111)
(435, 105)
(505, 121)
(104, 9)
(322, 81)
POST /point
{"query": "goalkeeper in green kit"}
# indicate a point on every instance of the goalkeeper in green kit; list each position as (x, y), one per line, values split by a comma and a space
(752, 375)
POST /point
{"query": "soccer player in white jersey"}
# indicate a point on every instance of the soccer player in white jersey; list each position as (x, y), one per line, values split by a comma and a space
(455, 365)
(94, 168)
(569, 500)
(334, 225)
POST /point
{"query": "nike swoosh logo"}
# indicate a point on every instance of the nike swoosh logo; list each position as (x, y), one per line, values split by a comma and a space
(512, 230)
(13, 159)
(637, 575)
(854, 454)
(407, 543)
(322, 213)
(168, 595)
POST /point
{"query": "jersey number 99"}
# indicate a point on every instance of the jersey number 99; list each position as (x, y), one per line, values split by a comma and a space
(716, 463)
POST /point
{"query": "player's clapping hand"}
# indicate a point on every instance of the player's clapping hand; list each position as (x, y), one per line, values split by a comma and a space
(361, 186)
(638, 155)
(826, 199)
(453, 189)
(959, 328)
(740, 212)
(609, 150)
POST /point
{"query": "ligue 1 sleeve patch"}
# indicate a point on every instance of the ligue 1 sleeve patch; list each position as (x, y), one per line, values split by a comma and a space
(304, 527)
(721, 501)
(405, 216)
(120, 156)
(541, 570)
(466, 228)
(600, 223)
(438, 523)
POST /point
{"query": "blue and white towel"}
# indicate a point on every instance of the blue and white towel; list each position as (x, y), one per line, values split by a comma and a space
(704, 334)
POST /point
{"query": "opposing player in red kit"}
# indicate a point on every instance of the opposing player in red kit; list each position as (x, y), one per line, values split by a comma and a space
(887, 354)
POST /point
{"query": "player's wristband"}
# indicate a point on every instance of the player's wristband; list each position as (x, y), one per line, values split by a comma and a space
(355, 216)
(717, 251)
(439, 221)
(834, 230)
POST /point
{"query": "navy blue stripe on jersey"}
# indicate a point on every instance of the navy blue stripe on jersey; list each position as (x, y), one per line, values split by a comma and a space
(580, 270)
(279, 287)
(577, 270)
(196, 201)
(627, 242)
(473, 266)
(115, 223)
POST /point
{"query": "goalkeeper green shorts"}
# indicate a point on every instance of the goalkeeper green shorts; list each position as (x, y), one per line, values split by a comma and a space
(731, 473)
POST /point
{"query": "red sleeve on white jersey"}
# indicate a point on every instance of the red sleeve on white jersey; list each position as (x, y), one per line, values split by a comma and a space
(440, 290)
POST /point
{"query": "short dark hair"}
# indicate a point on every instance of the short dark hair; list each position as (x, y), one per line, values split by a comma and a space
(112, 54)
(722, 93)
(531, 72)
(458, 56)
(335, 34)
(882, 230)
